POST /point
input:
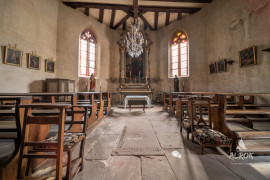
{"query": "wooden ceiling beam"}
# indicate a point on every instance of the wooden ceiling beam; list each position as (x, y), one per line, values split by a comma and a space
(135, 9)
(179, 16)
(146, 22)
(128, 7)
(169, 9)
(121, 22)
(101, 15)
(167, 18)
(124, 25)
(112, 18)
(86, 11)
(156, 21)
(98, 5)
(187, 1)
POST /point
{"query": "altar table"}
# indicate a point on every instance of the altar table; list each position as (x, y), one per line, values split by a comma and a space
(137, 100)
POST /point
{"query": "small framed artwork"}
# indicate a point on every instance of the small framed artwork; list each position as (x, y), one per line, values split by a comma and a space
(33, 62)
(13, 56)
(221, 66)
(49, 66)
(247, 57)
(212, 68)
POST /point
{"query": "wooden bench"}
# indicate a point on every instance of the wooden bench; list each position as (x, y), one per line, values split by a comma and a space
(251, 137)
(10, 130)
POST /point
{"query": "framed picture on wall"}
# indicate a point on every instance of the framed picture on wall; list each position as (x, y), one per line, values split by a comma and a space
(221, 66)
(13, 56)
(33, 62)
(212, 68)
(49, 66)
(247, 57)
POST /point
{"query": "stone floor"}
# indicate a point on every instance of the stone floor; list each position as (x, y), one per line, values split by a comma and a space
(136, 145)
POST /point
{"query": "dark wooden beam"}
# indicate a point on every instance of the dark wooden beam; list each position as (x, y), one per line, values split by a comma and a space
(128, 7)
(121, 22)
(98, 5)
(112, 18)
(135, 9)
(167, 18)
(124, 25)
(101, 14)
(156, 21)
(86, 11)
(146, 22)
(179, 16)
(189, 1)
(168, 9)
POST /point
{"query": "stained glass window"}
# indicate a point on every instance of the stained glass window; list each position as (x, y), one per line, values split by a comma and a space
(87, 53)
(179, 55)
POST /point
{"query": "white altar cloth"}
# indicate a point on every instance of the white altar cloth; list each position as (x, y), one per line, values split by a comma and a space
(134, 98)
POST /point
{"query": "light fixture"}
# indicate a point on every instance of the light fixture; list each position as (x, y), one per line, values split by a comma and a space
(134, 40)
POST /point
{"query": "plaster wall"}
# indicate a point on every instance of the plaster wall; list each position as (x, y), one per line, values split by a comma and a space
(195, 27)
(32, 25)
(232, 26)
(71, 23)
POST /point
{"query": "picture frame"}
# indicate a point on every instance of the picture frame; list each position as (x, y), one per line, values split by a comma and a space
(247, 57)
(13, 56)
(221, 66)
(49, 66)
(33, 62)
(212, 68)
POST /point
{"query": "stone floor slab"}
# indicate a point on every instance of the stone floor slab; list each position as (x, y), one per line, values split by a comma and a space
(251, 168)
(103, 149)
(123, 168)
(156, 168)
(191, 166)
(166, 126)
(138, 138)
(93, 170)
(170, 140)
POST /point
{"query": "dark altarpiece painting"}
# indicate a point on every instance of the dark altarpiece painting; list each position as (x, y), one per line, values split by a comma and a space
(134, 66)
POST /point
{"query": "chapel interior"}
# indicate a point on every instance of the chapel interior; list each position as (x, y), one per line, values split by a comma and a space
(135, 89)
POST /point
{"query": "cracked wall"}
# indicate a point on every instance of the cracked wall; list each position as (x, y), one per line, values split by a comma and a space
(233, 26)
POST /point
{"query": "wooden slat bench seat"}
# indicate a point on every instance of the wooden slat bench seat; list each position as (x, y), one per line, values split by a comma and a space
(238, 127)
(7, 113)
(247, 111)
(251, 135)
(246, 139)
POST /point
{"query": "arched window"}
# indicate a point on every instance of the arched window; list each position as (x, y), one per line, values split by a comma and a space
(179, 55)
(87, 54)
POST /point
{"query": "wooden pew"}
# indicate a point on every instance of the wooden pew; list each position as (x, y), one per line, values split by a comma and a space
(12, 131)
(250, 138)
(88, 98)
(107, 101)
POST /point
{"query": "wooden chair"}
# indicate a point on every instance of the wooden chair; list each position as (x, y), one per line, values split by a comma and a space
(182, 113)
(201, 130)
(53, 147)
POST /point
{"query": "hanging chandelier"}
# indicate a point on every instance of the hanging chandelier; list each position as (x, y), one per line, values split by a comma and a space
(134, 40)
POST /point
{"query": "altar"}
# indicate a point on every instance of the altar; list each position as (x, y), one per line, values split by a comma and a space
(134, 77)
(137, 100)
